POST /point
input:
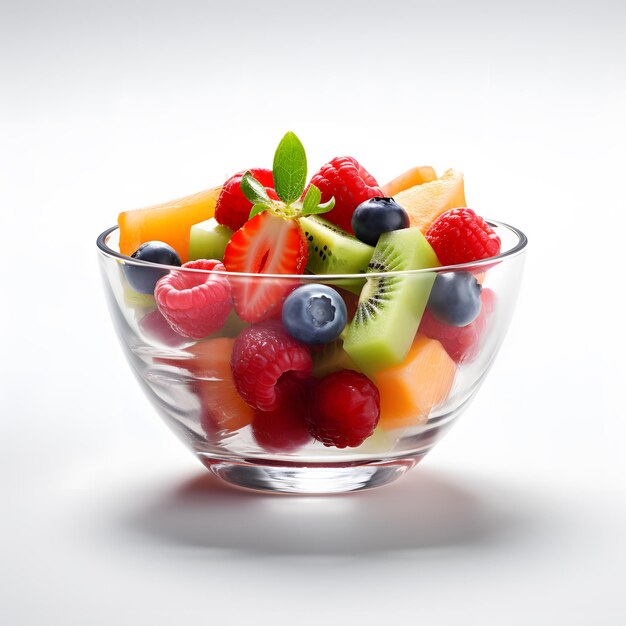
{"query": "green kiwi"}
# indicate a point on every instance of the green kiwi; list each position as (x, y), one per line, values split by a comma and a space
(208, 239)
(390, 307)
(332, 250)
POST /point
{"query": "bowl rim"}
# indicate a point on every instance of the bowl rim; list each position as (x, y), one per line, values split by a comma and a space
(515, 250)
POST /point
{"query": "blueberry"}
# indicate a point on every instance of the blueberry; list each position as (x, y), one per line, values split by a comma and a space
(142, 278)
(455, 298)
(376, 216)
(314, 314)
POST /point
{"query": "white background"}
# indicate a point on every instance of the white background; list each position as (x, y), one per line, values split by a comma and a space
(518, 516)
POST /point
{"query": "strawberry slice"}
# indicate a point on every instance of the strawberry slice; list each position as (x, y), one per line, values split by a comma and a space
(266, 244)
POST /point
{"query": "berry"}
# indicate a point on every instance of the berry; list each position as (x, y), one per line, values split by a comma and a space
(156, 328)
(233, 208)
(455, 298)
(344, 409)
(284, 429)
(461, 236)
(461, 343)
(195, 304)
(376, 216)
(262, 355)
(314, 314)
(266, 244)
(349, 183)
(142, 278)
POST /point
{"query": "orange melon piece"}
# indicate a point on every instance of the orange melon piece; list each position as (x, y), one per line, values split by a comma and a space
(409, 391)
(410, 178)
(222, 406)
(426, 202)
(169, 222)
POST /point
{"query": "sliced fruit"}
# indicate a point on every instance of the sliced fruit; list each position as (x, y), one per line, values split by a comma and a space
(409, 391)
(410, 178)
(209, 363)
(266, 244)
(426, 202)
(333, 250)
(169, 222)
(391, 306)
(208, 240)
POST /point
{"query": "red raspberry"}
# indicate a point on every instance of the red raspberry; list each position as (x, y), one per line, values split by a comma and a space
(461, 343)
(344, 410)
(233, 208)
(156, 328)
(195, 304)
(262, 354)
(461, 236)
(284, 429)
(350, 183)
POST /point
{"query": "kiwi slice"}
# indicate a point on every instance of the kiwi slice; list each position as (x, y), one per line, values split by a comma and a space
(208, 239)
(390, 307)
(333, 250)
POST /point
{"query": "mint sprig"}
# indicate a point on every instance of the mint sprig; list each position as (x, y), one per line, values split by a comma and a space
(289, 170)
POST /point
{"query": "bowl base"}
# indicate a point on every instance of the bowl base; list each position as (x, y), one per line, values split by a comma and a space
(309, 479)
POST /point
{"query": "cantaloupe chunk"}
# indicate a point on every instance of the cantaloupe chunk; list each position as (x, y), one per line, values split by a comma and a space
(222, 406)
(426, 202)
(409, 391)
(169, 222)
(415, 176)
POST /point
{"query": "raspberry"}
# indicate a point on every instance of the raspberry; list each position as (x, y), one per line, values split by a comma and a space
(284, 429)
(461, 236)
(195, 304)
(233, 208)
(462, 343)
(344, 410)
(350, 183)
(262, 354)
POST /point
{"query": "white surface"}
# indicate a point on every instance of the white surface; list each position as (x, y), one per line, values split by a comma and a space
(518, 516)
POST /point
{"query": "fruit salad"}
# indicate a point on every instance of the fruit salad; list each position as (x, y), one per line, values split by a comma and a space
(314, 312)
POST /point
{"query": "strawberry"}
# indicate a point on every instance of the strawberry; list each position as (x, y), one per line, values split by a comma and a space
(266, 244)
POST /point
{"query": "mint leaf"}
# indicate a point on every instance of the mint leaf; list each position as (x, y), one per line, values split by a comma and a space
(311, 200)
(256, 209)
(324, 208)
(311, 204)
(254, 191)
(289, 168)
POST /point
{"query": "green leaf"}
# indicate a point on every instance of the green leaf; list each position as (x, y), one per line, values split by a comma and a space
(253, 190)
(289, 168)
(311, 200)
(256, 209)
(312, 206)
(326, 207)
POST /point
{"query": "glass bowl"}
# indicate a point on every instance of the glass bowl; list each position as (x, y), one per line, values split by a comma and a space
(190, 383)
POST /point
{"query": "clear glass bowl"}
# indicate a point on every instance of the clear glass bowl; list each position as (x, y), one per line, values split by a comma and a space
(195, 397)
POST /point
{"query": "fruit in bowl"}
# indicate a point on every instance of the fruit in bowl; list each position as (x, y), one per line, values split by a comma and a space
(312, 335)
